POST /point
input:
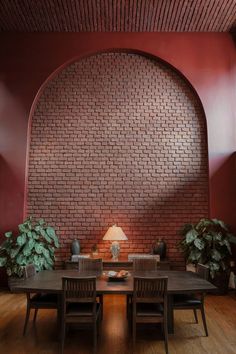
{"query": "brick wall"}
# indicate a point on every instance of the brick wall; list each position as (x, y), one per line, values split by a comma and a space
(118, 138)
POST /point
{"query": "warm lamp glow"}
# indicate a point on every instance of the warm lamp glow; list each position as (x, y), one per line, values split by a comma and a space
(115, 233)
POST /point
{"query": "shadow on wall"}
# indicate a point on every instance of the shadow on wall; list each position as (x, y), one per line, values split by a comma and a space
(153, 220)
(224, 181)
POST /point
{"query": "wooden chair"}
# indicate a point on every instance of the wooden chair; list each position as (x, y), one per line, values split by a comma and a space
(140, 264)
(144, 264)
(150, 303)
(90, 264)
(37, 301)
(79, 305)
(93, 265)
(192, 302)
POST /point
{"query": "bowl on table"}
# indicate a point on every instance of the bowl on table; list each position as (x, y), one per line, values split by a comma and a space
(117, 276)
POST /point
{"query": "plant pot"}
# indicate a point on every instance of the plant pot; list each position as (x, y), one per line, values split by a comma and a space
(221, 281)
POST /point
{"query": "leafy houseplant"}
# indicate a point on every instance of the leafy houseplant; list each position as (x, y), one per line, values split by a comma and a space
(208, 242)
(35, 244)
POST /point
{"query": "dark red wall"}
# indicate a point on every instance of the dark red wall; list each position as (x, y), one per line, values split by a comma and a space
(207, 60)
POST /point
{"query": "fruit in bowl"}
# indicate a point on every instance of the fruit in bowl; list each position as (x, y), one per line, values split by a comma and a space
(122, 274)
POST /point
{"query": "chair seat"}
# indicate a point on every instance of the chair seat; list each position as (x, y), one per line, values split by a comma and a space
(81, 309)
(183, 300)
(44, 299)
(144, 309)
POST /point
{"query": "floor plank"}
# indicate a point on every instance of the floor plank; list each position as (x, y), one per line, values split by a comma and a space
(115, 336)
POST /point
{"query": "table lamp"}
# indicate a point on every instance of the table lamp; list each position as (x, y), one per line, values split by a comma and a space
(115, 234)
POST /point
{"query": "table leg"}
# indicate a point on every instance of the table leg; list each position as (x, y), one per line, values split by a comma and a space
(170, 315)
(59, 316)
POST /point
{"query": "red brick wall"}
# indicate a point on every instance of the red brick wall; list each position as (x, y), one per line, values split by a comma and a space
(118, 138)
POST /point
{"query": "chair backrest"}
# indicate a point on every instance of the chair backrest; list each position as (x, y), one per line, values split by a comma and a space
(82, 289)
(203, 271)
(144, 264)
(29, 270)
(153, 290)
(87, 264)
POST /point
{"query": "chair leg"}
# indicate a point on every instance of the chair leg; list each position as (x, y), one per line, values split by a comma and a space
(35, 314)
(195, 315)
(166, 336)
(101, 302)
(127, 307)
(63, 331)
(134, 331)
(26, 319)
(204, 320)
(95, 337)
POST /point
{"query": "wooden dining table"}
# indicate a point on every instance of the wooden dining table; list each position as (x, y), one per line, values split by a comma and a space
(179, 282)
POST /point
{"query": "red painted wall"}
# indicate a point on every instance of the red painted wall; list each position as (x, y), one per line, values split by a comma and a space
(207, 60)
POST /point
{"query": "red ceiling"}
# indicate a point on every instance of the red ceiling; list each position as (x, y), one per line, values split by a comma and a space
(117, 15)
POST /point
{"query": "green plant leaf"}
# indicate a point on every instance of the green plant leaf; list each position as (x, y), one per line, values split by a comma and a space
(200, 244)
(41, 222)
(46, 253)
(23, 228)
(3, 261)
(207, 236)
(45, 235)
(232, 238)
(35, 235)
(21, 240)
(14, 252)
(31, 243)
(27, 250)
(51, 233)
(217, 236)
(20, 259)
(216, 255)
(194, 256)
(29, 234)
(226, 243)
(191, 236)
(185, 228)
(8, 234)
(220, 223)
(38, 248)
(38, 228)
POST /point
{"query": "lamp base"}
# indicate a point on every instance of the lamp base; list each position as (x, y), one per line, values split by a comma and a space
(115, 250)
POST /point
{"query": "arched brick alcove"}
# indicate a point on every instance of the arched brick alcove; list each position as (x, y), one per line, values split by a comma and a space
(118, 138)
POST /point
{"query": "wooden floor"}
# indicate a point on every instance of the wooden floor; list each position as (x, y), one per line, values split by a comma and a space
(115, 337)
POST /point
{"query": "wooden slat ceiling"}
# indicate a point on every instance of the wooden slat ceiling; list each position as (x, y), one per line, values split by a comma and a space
(117, 15)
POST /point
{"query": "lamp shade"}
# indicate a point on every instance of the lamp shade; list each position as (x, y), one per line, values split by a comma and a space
(115, 233)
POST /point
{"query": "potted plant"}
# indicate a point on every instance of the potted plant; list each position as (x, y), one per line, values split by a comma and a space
(209, 242)
(35, 243)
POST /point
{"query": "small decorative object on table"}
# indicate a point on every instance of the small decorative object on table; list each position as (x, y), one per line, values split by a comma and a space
(159, 247)
(75, 247)
(117, 276)
(94, 250)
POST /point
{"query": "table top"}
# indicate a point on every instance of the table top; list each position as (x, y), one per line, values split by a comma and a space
(50, 281)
